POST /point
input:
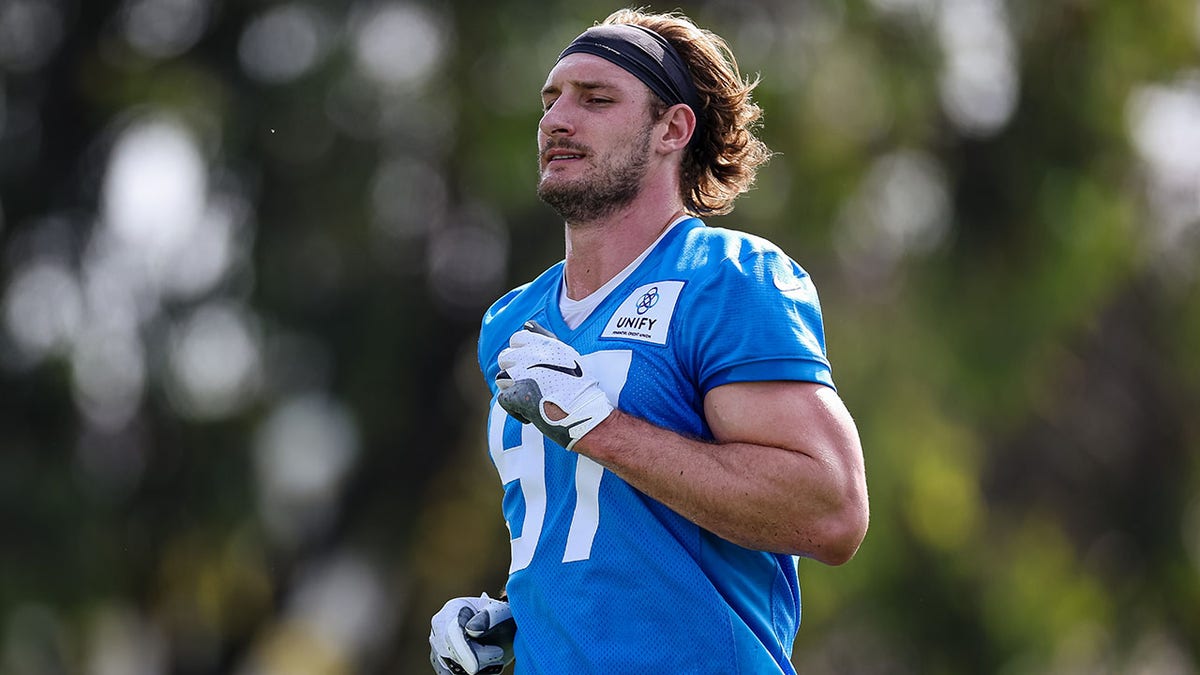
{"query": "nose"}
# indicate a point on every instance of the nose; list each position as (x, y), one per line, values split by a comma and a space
(556, 121)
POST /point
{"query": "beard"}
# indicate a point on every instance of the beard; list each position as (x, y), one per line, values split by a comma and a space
(611, 187)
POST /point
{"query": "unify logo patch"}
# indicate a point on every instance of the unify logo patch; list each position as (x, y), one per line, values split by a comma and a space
(646, 314)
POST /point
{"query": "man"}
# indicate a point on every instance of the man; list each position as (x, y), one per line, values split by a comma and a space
(664, 423)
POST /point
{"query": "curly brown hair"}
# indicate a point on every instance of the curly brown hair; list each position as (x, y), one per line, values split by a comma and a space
(722, 162)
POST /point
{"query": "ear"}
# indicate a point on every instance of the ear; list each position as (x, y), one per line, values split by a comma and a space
(678, 124)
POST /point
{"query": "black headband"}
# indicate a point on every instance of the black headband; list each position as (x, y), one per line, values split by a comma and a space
(647, 56)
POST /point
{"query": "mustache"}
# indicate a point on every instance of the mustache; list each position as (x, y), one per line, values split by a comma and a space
(563, 144)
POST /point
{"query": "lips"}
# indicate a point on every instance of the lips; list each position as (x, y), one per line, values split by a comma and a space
(561, 154)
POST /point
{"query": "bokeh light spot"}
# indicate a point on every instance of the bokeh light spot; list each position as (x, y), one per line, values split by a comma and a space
(215, 362)
(283, 43)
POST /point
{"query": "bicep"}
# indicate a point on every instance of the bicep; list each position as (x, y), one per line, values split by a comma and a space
(801, 416)
(800, 445)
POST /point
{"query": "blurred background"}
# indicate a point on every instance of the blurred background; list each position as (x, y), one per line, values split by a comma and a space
(245, 248)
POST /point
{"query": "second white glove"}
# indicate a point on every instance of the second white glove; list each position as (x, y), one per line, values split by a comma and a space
(471, 636)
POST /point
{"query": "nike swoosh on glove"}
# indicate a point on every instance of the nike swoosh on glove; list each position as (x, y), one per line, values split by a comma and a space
(472, 636)
(537, 368)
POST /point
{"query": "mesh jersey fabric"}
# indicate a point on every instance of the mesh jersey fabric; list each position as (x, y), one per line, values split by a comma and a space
(605, 579)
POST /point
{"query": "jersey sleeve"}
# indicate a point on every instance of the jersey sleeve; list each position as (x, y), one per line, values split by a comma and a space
(755, 318)
(490, 340)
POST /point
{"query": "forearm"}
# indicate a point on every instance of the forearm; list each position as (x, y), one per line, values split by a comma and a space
(785, 500)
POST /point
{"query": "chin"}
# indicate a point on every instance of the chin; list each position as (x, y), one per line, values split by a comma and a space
(552, 182)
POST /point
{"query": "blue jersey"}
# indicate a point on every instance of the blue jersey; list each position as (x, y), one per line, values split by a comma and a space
(605, 579)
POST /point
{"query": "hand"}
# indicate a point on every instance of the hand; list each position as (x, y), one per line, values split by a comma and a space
(542, 382)
(471, 635)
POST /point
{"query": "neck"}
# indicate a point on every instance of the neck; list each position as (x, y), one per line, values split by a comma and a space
(598, 251)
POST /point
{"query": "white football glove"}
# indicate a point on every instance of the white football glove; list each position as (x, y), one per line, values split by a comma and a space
(471, 635)
(537, 368)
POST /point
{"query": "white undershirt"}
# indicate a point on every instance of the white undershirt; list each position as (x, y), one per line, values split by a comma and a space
(575, 311)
